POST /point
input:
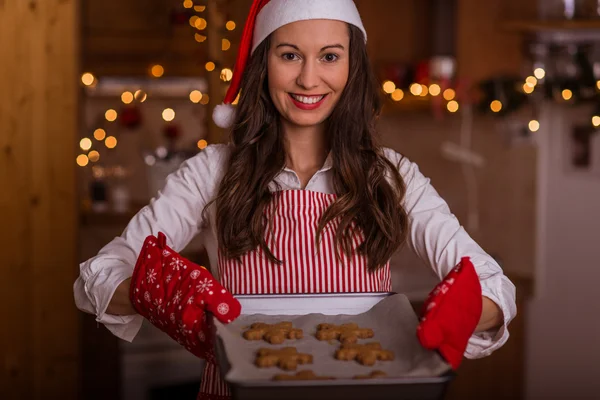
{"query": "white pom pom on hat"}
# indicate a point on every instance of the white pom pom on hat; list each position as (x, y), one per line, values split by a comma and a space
(224, 115)
(264, 18)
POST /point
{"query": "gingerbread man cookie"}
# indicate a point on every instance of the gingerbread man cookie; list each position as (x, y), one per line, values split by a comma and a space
(302, 376)
(346, 333)
(373, 375)
(286, 358)
(365, 354)
(272, 333)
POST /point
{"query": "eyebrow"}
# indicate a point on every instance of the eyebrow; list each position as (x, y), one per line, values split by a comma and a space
(331, 46)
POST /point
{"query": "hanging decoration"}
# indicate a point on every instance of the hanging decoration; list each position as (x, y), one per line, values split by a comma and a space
(130, 116)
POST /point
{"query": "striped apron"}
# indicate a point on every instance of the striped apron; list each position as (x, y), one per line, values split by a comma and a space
(307, 267)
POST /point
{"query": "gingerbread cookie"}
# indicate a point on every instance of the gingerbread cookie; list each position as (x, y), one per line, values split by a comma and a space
(272, 333)
(372, 375)
(287, 358)
(365, 354)
(302, 376)
(346, 333)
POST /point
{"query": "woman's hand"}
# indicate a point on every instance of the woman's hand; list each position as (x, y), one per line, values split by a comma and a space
(491, 316)
(120, 304)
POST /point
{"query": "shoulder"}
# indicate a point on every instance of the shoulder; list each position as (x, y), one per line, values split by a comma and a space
(213, 157)
(203, 171)
(407, 169)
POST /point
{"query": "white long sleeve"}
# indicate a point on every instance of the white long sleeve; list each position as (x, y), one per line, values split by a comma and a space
(176, 211)
(439, 240)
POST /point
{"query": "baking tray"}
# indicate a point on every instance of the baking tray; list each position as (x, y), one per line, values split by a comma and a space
(271, 308)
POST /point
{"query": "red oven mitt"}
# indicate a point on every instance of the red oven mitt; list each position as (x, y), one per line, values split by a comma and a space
(173, 294)
(451, 313)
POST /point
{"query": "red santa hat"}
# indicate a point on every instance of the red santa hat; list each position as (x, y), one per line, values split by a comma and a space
(265, 17)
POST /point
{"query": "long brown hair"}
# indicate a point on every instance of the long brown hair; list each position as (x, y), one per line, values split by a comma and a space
(369, 187)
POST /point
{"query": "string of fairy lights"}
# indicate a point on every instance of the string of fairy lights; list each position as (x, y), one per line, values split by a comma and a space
(423, 91)
(197, 17)
(101, 140)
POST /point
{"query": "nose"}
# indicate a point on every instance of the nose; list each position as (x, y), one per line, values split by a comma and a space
(308, 78)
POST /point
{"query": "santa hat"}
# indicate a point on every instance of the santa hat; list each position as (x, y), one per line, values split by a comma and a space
(265, 17)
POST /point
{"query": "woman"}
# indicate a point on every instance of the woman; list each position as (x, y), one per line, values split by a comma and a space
(303, 200)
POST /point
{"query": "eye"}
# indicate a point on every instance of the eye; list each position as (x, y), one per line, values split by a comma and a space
(330, 57)
(289, 57)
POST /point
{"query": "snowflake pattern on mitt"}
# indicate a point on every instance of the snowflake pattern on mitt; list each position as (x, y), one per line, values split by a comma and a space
(177, 297)
(151, 276)
(176, 263)
(172, 293)
(223, 308)
(204, 286)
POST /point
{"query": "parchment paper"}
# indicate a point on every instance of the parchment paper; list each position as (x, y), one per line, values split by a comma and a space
(393, 321)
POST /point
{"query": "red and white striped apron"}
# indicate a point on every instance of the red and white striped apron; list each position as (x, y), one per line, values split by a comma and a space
(291, 238)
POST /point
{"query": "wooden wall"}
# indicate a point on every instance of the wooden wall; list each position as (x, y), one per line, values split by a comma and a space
(124, 38)
(484, 48)
(38, 123)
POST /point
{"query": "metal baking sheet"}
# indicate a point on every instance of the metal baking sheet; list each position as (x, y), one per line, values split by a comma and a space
(416, 372)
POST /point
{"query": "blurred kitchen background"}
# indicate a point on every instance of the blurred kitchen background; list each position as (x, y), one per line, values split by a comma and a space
(498, 101)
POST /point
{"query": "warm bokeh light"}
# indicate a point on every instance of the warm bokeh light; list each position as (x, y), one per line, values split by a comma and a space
(94, 156)
(596, 121)
(88, 79)
(202, 144)
(82, 160)
(195, 96)
(210, 66)
(567, 94)
(389, 87)
(111, 115)
(230, 25)
(531, 80)
(528, 89)
(424, 90)
(496, 106)
(453, 106)
(449, 94)
(225, 44)
(539, 73)
(398, 95)
(534, 126)
(435, 89)
(199, 8)
(85, 144)
(416, 89)
(157, 71)
(205, 99)
(237, 99)
(111, 142)
(200, 38)
(193, 20)
(188, 4)
(127, 97)
(200, 24)
(226, 74)
(168, 114)
(140, 96)
(99, 134)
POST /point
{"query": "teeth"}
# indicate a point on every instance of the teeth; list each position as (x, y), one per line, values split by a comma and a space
(307, 100)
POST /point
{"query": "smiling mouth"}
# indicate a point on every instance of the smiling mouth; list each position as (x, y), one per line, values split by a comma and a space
(308, 100)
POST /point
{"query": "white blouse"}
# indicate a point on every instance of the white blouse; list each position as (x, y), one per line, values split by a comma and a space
(435, 235)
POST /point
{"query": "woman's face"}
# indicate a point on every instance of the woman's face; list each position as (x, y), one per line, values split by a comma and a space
(308, 69)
